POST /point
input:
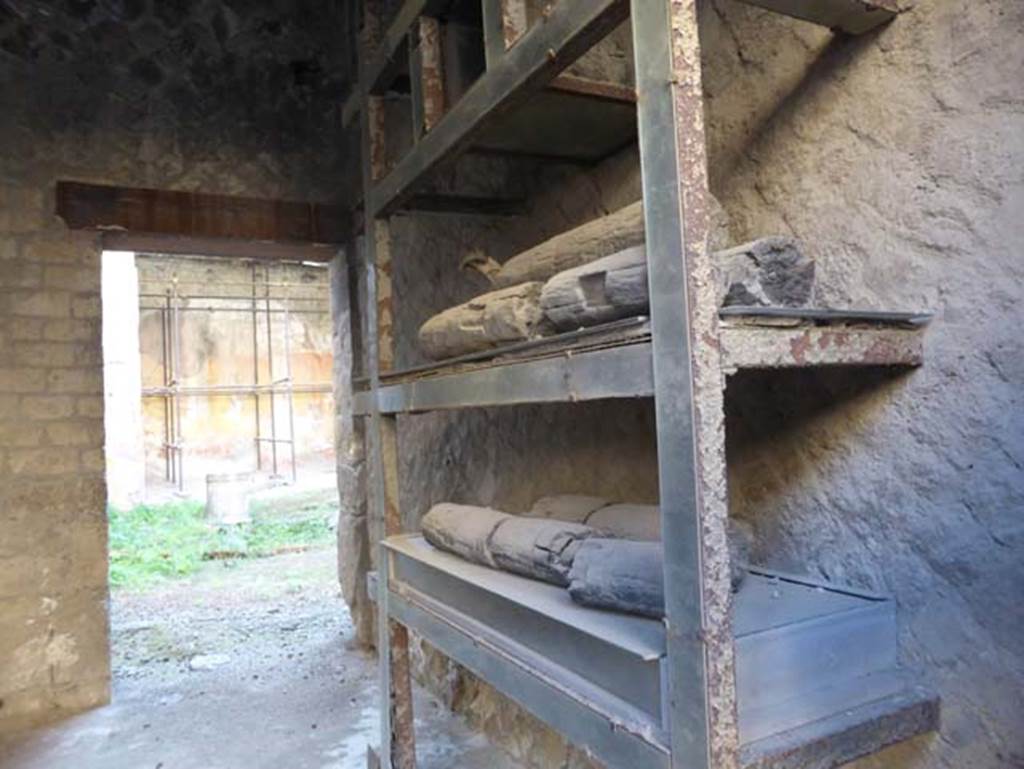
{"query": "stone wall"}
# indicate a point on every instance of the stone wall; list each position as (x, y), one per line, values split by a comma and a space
(226, 97)
(897, 159)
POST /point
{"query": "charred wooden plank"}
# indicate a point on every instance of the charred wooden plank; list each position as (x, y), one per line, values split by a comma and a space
(198, 215)
(507, 315)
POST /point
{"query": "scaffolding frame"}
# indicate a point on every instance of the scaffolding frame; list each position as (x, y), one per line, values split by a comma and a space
(171, 304)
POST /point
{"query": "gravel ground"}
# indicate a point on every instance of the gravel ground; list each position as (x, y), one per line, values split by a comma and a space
(243, 666)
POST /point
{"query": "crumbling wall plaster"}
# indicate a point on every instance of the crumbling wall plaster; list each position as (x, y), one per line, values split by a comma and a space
(896, 158)
(227, 97)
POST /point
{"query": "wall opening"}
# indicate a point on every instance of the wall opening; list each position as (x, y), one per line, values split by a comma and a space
(223, 499)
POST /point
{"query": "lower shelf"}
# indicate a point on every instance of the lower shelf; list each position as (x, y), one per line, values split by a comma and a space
(817, 679)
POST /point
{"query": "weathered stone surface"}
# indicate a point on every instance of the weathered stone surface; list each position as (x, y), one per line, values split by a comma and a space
(499, 317)
(541, 549)
(464, 530)
(770, 271)
(641, 523)
(620, 575)
(537, 548)
(607, 289)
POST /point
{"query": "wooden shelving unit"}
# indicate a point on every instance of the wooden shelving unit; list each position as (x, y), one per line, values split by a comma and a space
(695, 691)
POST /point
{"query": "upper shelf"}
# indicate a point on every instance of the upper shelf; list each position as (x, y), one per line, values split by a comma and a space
(520, 86)
(615, 360)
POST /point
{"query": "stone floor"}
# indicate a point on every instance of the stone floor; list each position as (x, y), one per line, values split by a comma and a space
(240, 667)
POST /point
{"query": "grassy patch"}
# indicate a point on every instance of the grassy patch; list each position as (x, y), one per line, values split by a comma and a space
(153, 543)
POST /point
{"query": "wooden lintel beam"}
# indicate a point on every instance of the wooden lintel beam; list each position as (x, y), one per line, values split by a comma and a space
(199, 216)
(230, 247)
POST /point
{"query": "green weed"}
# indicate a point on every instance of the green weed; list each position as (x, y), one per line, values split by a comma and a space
(153, 543)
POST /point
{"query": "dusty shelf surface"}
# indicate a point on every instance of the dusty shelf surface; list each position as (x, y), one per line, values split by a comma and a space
(614, 360)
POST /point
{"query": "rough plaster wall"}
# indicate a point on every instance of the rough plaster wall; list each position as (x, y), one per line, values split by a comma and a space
(897, 158)
(234, 97)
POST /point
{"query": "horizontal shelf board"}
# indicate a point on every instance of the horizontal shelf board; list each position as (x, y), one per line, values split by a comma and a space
(643, 638)
(568, 703)
(852, 16)
(562, 124)
(615, 362)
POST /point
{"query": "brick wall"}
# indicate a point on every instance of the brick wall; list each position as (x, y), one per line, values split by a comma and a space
(52, 492)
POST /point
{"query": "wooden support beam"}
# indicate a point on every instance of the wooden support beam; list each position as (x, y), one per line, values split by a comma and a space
(199, 216)
(398, 739)
(505, 21)
(572, 27)
(426, 77)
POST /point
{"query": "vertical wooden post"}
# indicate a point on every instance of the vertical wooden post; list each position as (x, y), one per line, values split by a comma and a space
(432, 72)
(505, 21)
(513, 20)
(398, 743)
(688, 383)
(426, 76)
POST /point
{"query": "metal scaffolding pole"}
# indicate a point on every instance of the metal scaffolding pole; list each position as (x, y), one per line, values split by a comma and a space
(289, 386)
(256, 370)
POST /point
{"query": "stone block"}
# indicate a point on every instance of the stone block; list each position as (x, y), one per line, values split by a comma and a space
(43, 461)
(75, 433)
(90, 406)
(22, 380)
(54, 250)
(21, 274)
(80, 330)
(72, 277)
(24, 329)
(86, 307)
(767, 272)
(82, 497)
(40, 304)
(9, 406)
(22, 209)
(94, 460)
(47, 406)
(87, 381)
(21, 434)
(44, 354)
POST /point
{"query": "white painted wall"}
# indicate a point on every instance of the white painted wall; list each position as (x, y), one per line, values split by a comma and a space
(122, 381)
